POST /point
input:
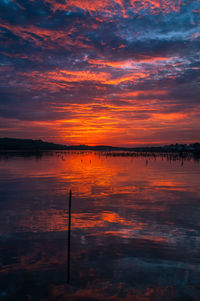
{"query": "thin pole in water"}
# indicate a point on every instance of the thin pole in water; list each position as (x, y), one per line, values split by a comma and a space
(69, 237)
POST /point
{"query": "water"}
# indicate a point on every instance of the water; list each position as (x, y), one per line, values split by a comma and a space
(135, 228)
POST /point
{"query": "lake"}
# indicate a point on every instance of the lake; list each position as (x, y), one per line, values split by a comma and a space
(135, 227)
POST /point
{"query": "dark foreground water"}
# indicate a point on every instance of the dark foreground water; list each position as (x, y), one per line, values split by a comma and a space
(135, 228)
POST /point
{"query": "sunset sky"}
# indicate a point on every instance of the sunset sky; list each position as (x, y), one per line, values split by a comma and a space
(121, 72)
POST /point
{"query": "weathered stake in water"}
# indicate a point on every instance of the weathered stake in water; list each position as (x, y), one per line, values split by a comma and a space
(69, 237)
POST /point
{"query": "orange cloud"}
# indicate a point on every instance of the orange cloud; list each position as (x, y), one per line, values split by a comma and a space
(165, 6)
(90, 5)
(129, 64)
(160, 5)
(50, 38)
(145, 93)
(62, 78)
(169, 116)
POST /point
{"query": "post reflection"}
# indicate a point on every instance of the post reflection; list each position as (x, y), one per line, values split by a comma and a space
(134, 228)
(69, 238)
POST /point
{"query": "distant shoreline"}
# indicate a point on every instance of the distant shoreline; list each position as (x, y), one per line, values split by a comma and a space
(34, 146)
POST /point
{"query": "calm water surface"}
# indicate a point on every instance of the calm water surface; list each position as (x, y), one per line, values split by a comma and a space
(135, 228)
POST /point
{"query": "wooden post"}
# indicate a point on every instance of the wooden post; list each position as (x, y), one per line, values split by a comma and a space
(69, 237)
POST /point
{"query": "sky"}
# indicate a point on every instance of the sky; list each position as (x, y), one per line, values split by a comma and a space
(121, 72)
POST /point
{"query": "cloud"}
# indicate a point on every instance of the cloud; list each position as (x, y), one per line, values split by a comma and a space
(108, 72)
(106, 6)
